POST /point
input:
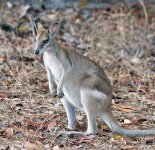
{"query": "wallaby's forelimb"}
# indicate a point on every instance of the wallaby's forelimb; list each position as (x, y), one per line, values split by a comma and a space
(52, 85)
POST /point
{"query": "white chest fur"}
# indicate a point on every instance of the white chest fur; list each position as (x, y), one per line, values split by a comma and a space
(53, 64)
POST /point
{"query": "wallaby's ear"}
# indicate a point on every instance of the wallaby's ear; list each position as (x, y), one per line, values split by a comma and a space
(54, 29)
(37, 27)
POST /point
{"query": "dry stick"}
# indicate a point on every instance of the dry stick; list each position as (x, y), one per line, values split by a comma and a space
(145, 13)
(12, 74)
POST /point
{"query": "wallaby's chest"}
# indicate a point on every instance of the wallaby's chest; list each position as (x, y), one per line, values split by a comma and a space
(53, 64)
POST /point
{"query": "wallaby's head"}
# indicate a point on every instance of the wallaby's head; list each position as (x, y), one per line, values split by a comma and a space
(44, 36)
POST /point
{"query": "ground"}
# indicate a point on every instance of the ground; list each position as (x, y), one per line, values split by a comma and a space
(119, 39)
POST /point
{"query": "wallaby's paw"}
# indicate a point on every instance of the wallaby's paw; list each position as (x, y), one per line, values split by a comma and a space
(54, 94)
(61, 95)
(53, 91)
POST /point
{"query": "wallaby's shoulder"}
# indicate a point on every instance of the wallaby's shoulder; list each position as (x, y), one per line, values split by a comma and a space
(77, 57)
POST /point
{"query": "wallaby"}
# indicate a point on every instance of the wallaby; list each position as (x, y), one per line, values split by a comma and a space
(79, 82)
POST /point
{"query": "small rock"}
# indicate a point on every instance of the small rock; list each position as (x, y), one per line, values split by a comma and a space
(135, 60)
(127, 121)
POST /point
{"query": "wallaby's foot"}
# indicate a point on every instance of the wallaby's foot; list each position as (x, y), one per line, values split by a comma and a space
(76, 133)
(73, 126)
(89, 133)
(70, 133)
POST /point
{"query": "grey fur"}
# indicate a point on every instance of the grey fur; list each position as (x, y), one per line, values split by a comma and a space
(85, 86)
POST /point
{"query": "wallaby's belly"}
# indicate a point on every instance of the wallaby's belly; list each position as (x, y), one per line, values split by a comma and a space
(56, 71)
(73, 96)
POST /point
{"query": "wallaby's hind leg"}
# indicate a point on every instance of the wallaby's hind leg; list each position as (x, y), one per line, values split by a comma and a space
(94, 102)
(72, 122)
(92, 125)
(88, 103)
(91, 129)
(88, 106)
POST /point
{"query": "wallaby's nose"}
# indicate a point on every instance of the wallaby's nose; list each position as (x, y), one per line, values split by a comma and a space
(36, 52)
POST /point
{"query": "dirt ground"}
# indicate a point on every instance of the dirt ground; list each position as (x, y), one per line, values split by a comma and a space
(120, 39)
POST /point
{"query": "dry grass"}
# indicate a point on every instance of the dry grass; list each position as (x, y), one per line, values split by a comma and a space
(120, 43)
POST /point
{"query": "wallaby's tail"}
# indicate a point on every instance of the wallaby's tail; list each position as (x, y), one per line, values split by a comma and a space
(113, 125)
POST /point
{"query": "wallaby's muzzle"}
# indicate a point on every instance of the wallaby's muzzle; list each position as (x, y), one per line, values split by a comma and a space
(36, 51)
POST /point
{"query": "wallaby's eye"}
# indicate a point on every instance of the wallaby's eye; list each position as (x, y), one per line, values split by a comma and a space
(45, 41)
